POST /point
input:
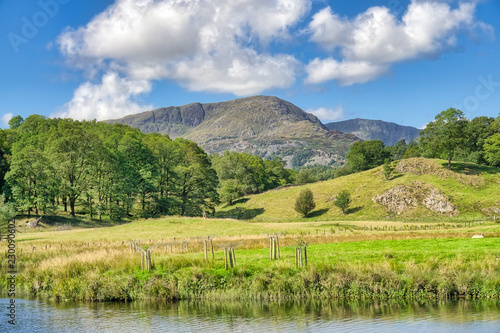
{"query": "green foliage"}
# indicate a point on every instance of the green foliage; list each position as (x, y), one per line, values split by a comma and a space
(367, 155)
(104, 169)
(304, 203)
(305, 176)
(314, 173)
(7, 212)
(241, 174)
(301, 157)
(445, 135)
(388, 169)
(492, 149)
(343, 201)
(412, 152)
(402, 150)
(15, 122)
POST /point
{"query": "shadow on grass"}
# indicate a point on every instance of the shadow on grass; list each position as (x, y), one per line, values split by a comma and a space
(75, 222)
(354, 210)
(318, 213)
(240, 213)
(239, 201)
(396, 176)
(471, 168)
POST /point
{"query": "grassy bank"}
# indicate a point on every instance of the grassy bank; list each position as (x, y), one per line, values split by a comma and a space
(434, 264)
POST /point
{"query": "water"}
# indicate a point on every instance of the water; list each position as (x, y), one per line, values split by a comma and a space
(459, 316)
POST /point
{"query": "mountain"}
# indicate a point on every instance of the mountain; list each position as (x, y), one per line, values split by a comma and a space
(262, 125)
(366, 129)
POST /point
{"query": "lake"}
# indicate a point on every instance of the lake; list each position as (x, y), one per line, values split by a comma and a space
(450, 316)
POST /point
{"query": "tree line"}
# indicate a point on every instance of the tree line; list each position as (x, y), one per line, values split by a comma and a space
(100, 169)
(115, 171)
(450, 136)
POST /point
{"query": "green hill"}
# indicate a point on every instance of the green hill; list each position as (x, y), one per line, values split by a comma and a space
(420, 189)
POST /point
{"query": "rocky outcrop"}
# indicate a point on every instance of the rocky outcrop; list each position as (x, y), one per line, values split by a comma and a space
(438, 202)
(397, 199)
(402, 198)
(491, 211)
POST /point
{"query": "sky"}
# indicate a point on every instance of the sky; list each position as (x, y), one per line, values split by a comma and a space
(394, 60)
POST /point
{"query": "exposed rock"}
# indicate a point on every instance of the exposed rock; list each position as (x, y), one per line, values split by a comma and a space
(491, 210)
(437, 202)
(421, 166)
(397, 199)
(401, 198)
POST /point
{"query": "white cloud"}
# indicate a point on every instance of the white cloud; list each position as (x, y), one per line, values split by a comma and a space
(211, 45)
(112, 98)
(6, 118)
(373, 40)
(326, 115)
(346, 72)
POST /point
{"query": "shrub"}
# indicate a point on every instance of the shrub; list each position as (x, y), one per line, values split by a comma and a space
(305, 202)
(343, 201)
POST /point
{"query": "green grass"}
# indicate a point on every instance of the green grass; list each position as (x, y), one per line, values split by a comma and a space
(384, 269)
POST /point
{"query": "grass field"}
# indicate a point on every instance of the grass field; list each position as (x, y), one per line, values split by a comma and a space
(345, 261)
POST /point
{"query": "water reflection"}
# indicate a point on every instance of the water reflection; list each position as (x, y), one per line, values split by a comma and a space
(456, 316)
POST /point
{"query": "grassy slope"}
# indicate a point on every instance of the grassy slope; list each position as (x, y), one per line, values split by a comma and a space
(277, 205)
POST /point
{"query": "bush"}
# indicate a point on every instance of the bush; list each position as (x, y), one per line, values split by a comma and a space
(343, 201)
(305, 202)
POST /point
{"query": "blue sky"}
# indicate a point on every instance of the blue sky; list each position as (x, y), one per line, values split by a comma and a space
(394, 60)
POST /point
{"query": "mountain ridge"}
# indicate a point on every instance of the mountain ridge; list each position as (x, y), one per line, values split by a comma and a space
(367, 129)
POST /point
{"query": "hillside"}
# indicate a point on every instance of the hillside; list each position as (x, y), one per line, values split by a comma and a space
(366, 129)
(420, 189)
(262, 125)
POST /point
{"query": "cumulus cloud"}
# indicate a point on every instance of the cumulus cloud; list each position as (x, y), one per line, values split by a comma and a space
(211, 45)
(6, 118)
(325, 114)
(113, 97)
(375, 39)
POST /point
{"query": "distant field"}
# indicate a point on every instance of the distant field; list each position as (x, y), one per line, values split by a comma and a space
(182, 228)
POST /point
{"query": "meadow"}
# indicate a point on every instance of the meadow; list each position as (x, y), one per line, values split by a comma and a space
(345, 260)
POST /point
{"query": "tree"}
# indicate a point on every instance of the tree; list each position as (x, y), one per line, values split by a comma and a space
(7, 212)
(72, 151)
(492, 149)
(445, 135)
(197, 184)
(343, 201)
(15, 122)
(305, 202)
(305, 176)
(388, 169)
(367, 155)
